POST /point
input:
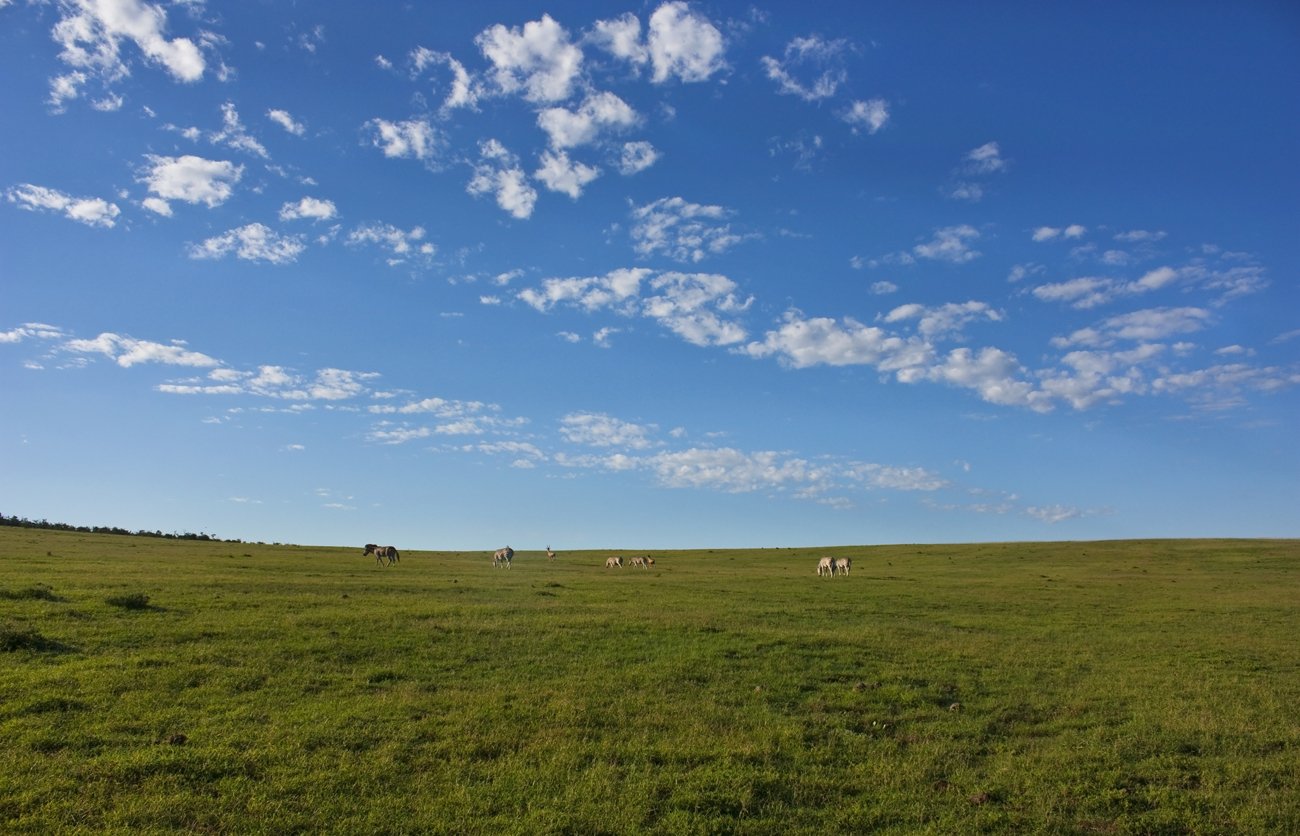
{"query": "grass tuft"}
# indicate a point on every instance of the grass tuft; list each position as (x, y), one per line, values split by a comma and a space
(132, 601)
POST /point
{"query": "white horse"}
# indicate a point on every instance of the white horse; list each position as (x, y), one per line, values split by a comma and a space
(382, 553)
(843, 565)
(640, 561)
(613, 562)
(502, 557)
(550, 555)
(825, 567)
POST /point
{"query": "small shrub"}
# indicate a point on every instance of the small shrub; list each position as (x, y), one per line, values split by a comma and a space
(134, 601)
(34, 593)
(16, 638)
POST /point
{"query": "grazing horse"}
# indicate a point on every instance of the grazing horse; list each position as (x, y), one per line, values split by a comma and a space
(550, 555)
(613, 562)
(843, 565)
(502, 557)
(639, 561)
(382, 553)
(825, 567)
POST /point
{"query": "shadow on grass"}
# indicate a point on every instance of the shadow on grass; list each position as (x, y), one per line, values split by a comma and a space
(40, 592)
(13, 639)
(136, 601)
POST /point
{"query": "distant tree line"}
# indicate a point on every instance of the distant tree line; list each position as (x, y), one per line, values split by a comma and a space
(23, 522)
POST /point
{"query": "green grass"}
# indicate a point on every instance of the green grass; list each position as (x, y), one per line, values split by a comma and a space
(1120, 687)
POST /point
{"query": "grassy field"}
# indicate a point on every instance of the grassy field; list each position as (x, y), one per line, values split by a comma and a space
(1117, 687)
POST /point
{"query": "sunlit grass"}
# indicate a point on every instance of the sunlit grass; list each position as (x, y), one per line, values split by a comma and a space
(1097, 687)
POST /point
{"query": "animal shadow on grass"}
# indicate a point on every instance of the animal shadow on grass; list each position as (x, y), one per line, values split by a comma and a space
(136, 601)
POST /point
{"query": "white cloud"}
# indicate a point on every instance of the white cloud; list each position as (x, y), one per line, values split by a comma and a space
(946, 320)
(1090, 291)
(310, 208)
(985, 159)
(964, 190)
(600, 430)
(498, 173)
(991, 372)
(1135, 236)
(818, 54)
(402, 245)
(252, 242)
(91, 211)
(31, 330)
(286, 121)
(128, 351)
(538, 59)
(1051, 233)
(801, 342)
(637, 157)
(1144, 325)
(158, 206)
(464, 90)
(621, 37)
(950, 244)
(570, 128)
(698, 307)
(870, 115)
(560, 174)
(684, 45)
(680, 230)
(412, 139)
(234, 135)
(92, 33)
(191, 179)
(613, 290)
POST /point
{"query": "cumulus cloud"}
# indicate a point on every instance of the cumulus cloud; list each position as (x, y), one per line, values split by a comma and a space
(402, 245)
(1051, 233)
(683, 45)
(309, 208)
(599, 111)
(636, 157)
(91, 211)
(251, 242)
(700, 308)
(30, 331)
(286, 121)
(985, 159)
(621, 37)
(498, 174)
(1087, 292)
(681, 230)
(1144, 325)
(234, 135)
(813, 53)
(600, 430)
(463, 91)
(412, 139)
(870, 115)
(802, 342)
(537, 60)
(560, 174)
(128, 351)
(943, 320)
(950, 244)
(190, 179)
(92, 34)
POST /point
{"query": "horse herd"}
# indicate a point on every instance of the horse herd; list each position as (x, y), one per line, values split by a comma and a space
(827, 567)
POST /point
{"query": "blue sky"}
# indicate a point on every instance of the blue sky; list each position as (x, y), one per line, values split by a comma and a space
(653, 276)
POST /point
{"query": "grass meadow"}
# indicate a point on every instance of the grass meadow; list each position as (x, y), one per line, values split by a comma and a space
(1105, 687)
